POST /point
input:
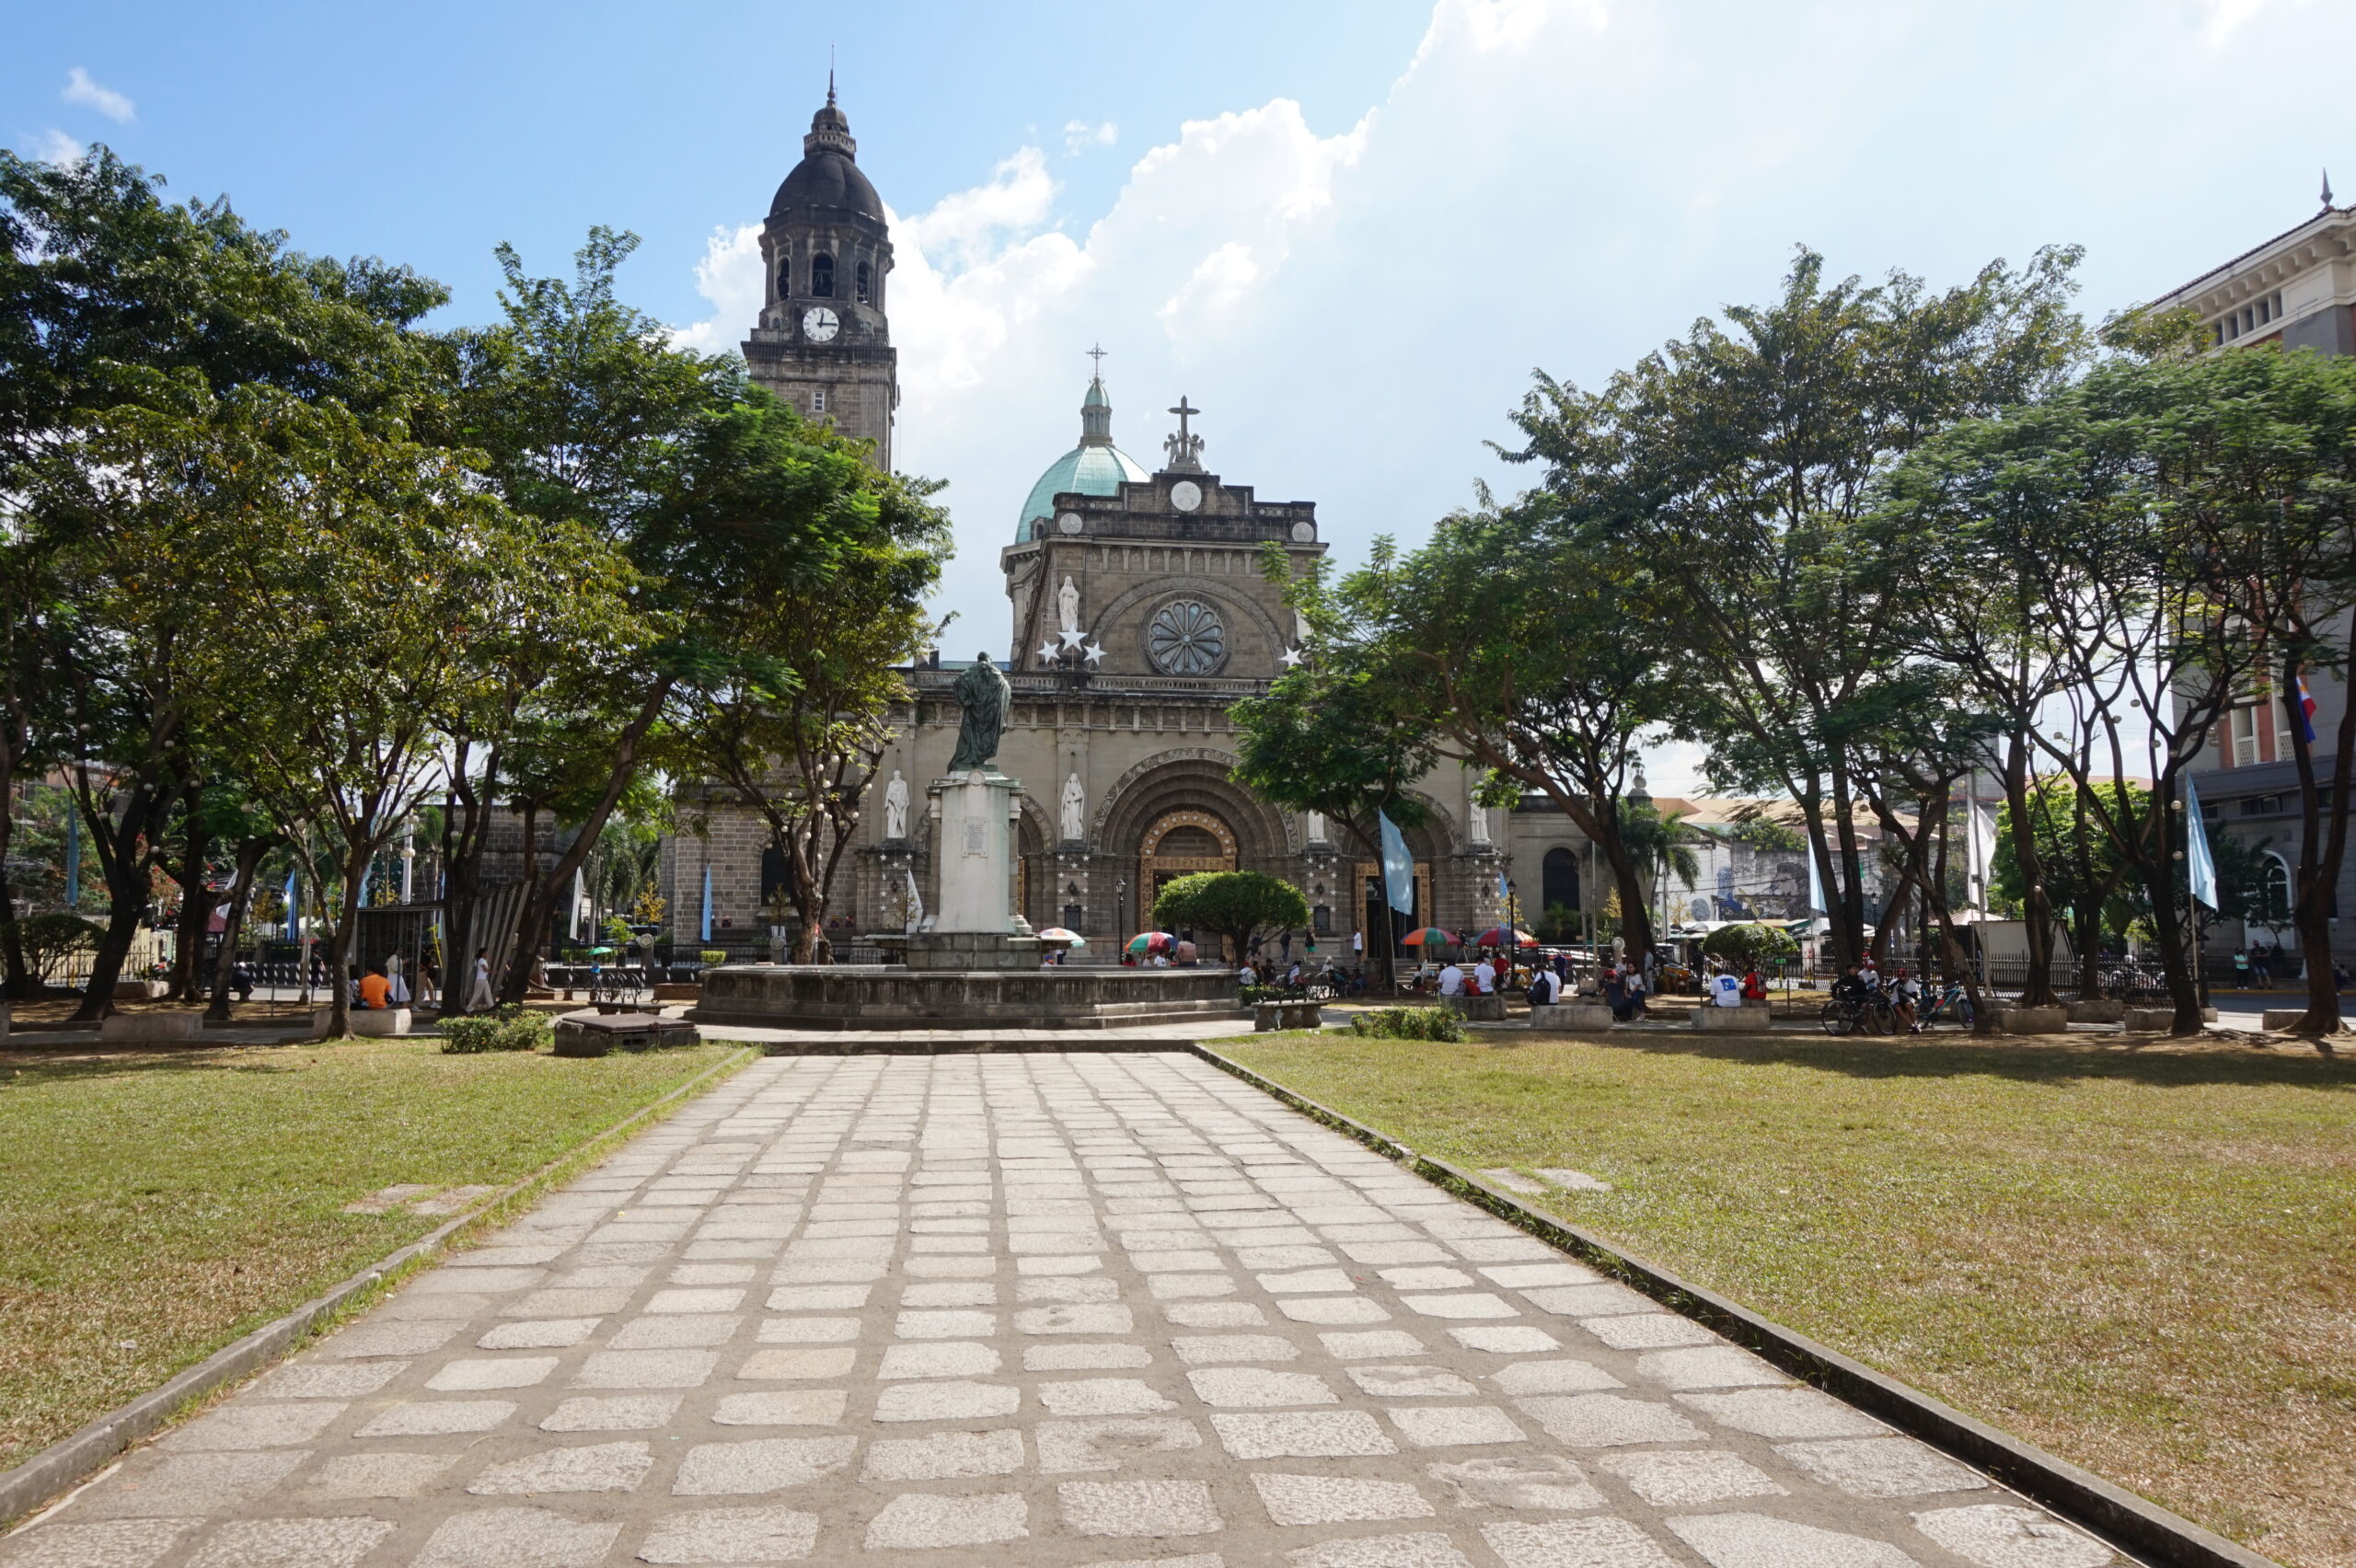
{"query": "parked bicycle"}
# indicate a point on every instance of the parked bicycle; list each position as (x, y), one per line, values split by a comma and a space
(1953, 1006)
(1866, 1015)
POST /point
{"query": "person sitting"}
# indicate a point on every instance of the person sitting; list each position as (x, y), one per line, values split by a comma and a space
(1615, 994)
(1754, 989)
(1726, 991)
(1545, 988)
(1902, 994)
(1851, 986)
(1452, 981)
(375, 991)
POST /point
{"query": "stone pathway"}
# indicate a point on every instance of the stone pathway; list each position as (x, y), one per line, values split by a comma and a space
(1026, 1310)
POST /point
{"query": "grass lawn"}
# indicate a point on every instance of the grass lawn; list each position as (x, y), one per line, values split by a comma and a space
(2144, 1262)
(154, 1207)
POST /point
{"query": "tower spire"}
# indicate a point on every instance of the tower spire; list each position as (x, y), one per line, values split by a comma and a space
(2326, 188)
(830, 74)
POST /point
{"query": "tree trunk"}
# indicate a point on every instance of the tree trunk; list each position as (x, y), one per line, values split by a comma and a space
(2323, 848)
(2037, 990)
(341, 938)
(17, 984)
(124, 862)
(232, 927)
(2160, 872)
(541, 894)
(196, 904)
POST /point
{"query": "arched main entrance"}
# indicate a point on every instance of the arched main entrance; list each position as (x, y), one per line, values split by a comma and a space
(1179, 844)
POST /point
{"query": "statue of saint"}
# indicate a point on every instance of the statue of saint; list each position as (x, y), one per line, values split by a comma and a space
(1075, 823)
(984, 697)
(895, 807)
(1317, 827)
(1068, 605)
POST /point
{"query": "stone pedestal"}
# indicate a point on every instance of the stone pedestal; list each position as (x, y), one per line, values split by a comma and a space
(1572, 1015)
(1743, 1019)
(973, 853)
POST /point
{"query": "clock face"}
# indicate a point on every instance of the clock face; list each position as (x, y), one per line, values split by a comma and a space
(1069, 523)
(819, 323)
(1185, 495)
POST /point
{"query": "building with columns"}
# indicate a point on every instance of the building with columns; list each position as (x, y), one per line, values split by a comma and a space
(1140, 615)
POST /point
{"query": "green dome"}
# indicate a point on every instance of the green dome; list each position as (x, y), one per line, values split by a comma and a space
(1084, 470)
(1095, 466)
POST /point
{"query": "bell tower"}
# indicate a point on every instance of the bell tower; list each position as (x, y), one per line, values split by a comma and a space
(823, 343)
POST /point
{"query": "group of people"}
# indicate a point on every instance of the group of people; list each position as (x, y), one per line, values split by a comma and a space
(2254, 966)
(1862, 983)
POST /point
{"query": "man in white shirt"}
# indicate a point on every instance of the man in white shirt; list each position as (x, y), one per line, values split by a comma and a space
(1726, 989)
(1452, 981)
(1545, 988)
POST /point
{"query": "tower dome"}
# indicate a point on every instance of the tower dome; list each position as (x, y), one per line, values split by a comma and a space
(1095, 466)
(827, 178)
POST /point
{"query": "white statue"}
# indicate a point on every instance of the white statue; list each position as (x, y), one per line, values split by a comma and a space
(1075, 806)
(1317, 827)
(1478, 818)
(1067, 603)
(895, 807)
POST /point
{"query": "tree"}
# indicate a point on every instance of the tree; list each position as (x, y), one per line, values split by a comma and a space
(1740, 463)
(1752, 947)
(1332, 737)
(580, 408)
(1245, 908)
(2088, 507)
(1520, 639)
(808, 572)
(371, 558)
(110, 300)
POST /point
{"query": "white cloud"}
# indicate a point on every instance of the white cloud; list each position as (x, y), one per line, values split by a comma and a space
(730, 277)
(81, 89)
(1018, 196)
(55, 147)
(1080, 135)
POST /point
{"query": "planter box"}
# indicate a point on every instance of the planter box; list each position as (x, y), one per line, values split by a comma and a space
(141, 990)
(2034, 1020)
(2097, 1011)
(1740, 1020)
(369, 1024)
(1572, 1015)
(2284, 1018)
(1267, 1016)
(150, 1026)
(1486, 1010)
(595, 1034)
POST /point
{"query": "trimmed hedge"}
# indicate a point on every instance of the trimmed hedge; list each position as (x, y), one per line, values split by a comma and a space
(510, 1027)
(1409, 1023)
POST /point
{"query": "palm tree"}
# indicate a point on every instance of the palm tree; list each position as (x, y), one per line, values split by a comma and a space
(1662, 843)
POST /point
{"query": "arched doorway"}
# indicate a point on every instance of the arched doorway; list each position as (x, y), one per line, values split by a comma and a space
(1558, 889)
(1179, 844)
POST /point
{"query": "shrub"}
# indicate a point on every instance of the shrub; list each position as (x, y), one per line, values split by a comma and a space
(1752, 947)
(713, 955)
(50, 939)
(510, 1027)
(1409, 1023)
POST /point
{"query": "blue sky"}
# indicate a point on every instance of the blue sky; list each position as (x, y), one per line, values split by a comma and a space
(1347, 228)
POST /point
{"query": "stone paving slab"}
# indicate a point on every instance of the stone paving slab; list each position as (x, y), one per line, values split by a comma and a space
(1026, 1309)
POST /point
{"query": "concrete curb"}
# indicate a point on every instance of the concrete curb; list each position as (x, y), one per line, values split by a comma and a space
(63, 1464)
(2124, 1520)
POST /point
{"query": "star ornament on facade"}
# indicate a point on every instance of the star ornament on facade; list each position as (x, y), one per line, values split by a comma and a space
(1048, 653)
(1094, 653)
(1073, 639)
(1293, 656)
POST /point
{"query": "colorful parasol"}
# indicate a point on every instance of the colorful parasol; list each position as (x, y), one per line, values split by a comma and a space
(1059, 934)
(1150, 942)
(1498, 935)
(1430, 936)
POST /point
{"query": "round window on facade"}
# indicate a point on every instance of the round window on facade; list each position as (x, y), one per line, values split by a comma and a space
(1185, 637)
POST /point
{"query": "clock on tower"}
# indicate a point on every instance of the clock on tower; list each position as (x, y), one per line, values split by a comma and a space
(822, 341)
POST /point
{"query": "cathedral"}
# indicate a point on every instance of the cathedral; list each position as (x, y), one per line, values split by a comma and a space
(1139, 616)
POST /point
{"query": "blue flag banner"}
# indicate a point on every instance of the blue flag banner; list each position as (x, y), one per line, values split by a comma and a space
(2198, 865)
(707, 904)
(1397, 868)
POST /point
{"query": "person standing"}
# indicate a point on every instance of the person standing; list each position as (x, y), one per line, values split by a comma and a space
(478, 992)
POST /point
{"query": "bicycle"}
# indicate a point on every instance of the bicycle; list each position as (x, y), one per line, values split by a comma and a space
(1954, 1006)
(619, 986)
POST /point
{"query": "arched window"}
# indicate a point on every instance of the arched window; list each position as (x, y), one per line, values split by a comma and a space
(1559, 880)
(822, 276)
(784, 276)
(864, 296)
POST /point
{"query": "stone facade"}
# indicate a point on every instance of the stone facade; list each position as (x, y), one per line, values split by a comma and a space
(1141, 615)
(823, 341)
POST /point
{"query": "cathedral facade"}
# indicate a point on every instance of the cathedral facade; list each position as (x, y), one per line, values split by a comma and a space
(1139, 616)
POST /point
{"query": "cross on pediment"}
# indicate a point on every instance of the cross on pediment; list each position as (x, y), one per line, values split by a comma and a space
(1182, 410)
(1185, 448)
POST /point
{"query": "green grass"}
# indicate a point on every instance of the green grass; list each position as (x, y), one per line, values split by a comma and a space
(2144, 1262)
(155, 1208)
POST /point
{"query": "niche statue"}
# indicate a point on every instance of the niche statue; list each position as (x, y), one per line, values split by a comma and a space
(984, 696)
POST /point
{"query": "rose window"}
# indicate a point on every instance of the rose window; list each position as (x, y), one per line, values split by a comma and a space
(1184, 637)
